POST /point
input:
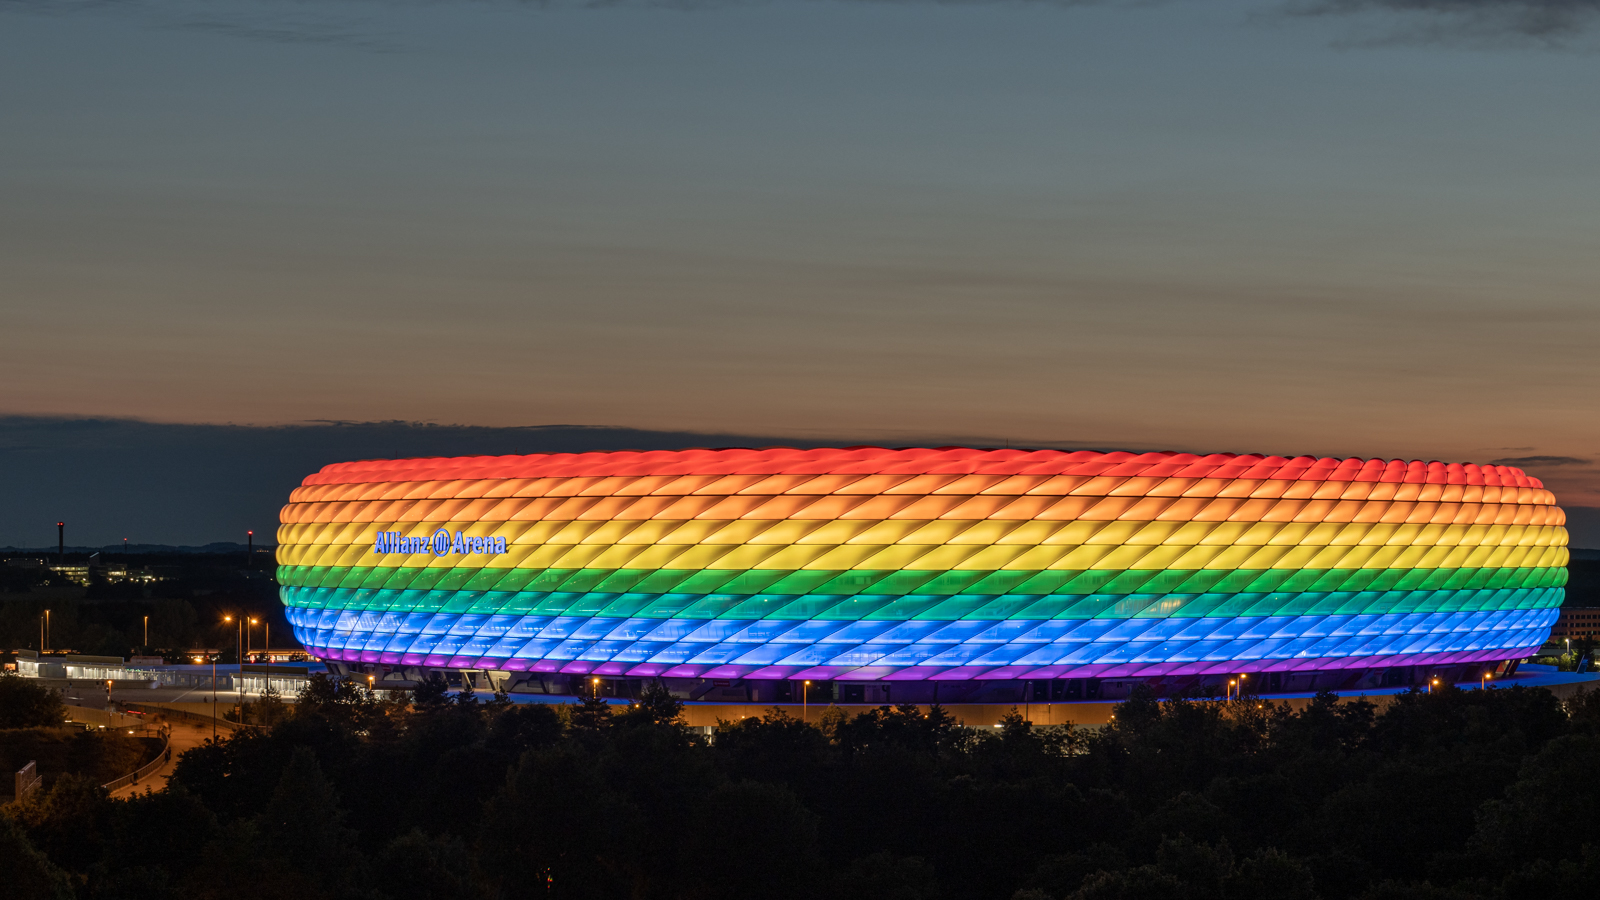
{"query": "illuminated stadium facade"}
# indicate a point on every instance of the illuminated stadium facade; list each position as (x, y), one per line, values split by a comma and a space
(914, 574)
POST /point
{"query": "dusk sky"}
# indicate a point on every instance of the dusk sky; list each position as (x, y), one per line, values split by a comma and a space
(1355, 227)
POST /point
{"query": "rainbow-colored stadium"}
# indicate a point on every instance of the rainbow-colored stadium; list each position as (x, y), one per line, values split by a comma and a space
(915, 568)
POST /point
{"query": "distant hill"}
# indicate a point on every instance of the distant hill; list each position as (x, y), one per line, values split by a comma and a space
(213, 547)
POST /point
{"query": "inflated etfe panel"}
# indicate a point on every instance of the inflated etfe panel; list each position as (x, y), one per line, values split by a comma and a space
(949, 563)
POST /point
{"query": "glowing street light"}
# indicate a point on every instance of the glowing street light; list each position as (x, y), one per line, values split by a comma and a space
(239, 649)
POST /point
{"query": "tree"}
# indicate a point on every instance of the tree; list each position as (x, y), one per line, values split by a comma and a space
(655, 706)
(1583, 710)
(520, 727)
(431, 691)
(904, 727)
(417, 866)
(884, 876)
(591, 716)
(1189, 870)
(303, 825)
(768, 830)
(168, 829)
(1271, 875)
(1061, 874)
(1581, 649)
(24, 703)
(29, 874)
(1413, 890)
(270, 709)
(1143, 883)
(585, 832)
(1548, 813)
(1180, 799)
(70, 822)
(831, 719)
(765, 746)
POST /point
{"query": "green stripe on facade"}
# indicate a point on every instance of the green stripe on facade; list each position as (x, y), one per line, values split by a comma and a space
(906, 582)
(922, 606)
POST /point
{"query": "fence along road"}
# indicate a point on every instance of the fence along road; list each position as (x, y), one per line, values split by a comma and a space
(129, 783)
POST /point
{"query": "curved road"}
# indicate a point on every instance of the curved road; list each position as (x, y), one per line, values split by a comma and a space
(185, 735)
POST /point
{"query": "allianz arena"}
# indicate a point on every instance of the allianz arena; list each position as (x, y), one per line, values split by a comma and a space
(889, 575)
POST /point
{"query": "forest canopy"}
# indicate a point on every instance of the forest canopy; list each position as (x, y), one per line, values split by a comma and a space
(1453, 794)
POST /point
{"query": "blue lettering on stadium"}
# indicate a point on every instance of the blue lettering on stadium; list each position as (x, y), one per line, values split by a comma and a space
(440, 543)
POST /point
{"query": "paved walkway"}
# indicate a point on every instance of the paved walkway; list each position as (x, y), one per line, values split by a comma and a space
(185, 735)
(166, 694)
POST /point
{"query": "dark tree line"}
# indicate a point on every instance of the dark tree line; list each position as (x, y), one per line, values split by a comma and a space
(1475, 794)
(25, 704)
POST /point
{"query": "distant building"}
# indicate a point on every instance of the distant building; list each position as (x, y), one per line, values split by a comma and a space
(112, 573)
(74, 574)
(1576, 622)
(154, 672)
(70, 665)
(118, 573)
(92, 571)
(873, 575)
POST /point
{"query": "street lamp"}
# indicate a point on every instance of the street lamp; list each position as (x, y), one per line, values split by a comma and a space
(1484, 683)
(146, 629)
(239, 649)
(1433, 683)
(1228, 695)
(596, 682)
(805, 701)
